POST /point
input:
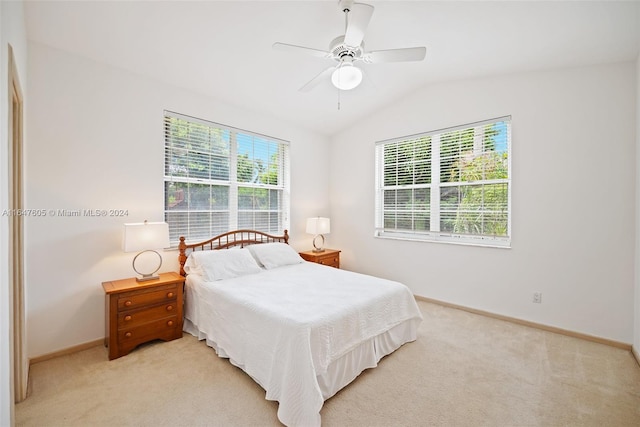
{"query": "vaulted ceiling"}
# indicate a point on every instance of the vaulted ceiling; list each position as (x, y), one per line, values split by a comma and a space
(224, 49)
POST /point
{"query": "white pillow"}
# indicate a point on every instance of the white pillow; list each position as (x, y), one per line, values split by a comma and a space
(272, 255)
(222, 264)
(191, 265)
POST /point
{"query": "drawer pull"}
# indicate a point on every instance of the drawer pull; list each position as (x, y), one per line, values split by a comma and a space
(170, 323)
(170, 295)
(128, 334)
(127, 303)
(127, 318)
(169, 307)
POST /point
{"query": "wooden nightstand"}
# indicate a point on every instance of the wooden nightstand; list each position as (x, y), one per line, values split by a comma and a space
(330, 257)
(137, 312)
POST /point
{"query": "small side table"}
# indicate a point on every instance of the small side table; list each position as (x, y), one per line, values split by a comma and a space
(329, 257)
(137, 312)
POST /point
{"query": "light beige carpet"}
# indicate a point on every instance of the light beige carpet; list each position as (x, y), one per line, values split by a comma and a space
(464, 370)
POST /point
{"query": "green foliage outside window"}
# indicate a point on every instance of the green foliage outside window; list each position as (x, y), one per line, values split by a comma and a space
(472, 186)
(470, 208)
(201, 192)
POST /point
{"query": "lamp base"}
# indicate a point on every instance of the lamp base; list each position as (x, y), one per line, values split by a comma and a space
(147, 278)
(146, 275)
(317, 248)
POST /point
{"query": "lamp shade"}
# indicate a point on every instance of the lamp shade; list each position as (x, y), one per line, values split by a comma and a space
(346, 76)
(318, 225)
(140, 236)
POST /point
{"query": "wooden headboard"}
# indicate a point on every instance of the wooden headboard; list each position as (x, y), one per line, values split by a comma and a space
(228, 240)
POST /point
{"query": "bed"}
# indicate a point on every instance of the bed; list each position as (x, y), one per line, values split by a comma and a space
(301, 330)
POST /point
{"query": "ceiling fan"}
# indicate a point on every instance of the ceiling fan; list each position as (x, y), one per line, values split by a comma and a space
(348, 49)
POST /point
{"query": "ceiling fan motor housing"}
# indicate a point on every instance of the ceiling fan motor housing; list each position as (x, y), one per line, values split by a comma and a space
(339, 50)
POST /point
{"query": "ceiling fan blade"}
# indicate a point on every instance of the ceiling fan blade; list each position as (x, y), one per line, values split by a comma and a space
(358, 21)
(317, 79)
(301, 49)
(396, 55)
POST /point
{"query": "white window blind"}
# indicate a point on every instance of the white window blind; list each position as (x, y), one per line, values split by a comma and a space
(451, 185)
(218, 178)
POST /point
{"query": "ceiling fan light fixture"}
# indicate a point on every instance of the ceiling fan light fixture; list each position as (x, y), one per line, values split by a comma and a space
(346, 76)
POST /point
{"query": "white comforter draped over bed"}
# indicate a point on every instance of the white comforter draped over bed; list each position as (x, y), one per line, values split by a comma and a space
(285, 326)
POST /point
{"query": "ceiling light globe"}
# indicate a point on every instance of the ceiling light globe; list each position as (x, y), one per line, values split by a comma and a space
(346, 77)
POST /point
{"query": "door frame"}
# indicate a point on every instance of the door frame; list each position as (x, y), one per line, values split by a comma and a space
(19, 362)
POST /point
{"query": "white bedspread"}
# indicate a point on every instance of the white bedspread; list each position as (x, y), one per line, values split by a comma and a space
(287, 325)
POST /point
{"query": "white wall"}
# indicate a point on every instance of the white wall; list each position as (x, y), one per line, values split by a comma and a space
(96, 142)
(12, 32)
(573, 199)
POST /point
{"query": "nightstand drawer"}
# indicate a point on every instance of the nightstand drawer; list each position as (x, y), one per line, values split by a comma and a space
(146, 331)
(331, 261)
(141, 298)
(131, 318)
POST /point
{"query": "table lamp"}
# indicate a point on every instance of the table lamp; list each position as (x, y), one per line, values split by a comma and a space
(318, 226)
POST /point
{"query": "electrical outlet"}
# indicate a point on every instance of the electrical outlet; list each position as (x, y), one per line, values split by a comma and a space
(537, 297)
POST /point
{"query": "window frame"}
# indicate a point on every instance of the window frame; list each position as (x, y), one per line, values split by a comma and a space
(435, 209)
(232, 208)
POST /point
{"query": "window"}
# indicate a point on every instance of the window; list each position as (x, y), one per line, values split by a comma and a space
(218, 178)
(451, 185)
